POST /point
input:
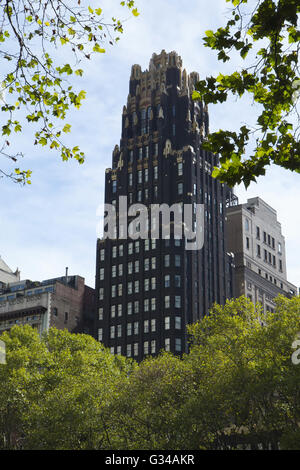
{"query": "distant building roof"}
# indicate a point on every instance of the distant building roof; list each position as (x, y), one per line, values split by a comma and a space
(6, 274)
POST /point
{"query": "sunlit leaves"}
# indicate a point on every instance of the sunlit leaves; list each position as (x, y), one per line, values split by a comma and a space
(37, 79)
(270, 81)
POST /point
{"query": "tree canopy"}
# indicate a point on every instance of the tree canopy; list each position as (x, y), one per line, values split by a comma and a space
(36, 84)
(266, 35)
(237, 387)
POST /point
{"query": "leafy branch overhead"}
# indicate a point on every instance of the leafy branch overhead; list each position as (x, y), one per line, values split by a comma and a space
(35, 81)
(270, 32)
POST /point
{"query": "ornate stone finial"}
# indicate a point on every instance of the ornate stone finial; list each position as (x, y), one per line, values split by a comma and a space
(195, 125)
(168, 148)
(161, 113)
(163, 87)
(135, 72)
(124, 110)
(137, 90)
(120, 162)
(116, 150)
(188, 116)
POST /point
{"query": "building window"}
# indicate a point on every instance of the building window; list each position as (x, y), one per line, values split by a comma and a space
(120, 269)
(102, 255)
(180, 189)
(100, 313)
(136, 306)
(146, 305)
(146, 264)
(279, 248)
(258, 251)
(146, 348)
(177, 280)
(247, 224)
(129, 267)
(100, 334)
(135, 349)
(146, 285)
(167, 280)
(146, 326)
(128, 350)
(167, 323)
(129, 288)
(112, 332)
(167, 261)
(136, 266)
(179, 169)
(136, 287)
(119, 310)
(153, 283)
(119, 331)
(155, 169)
(153, 262)
(167, 301)
(153, 346)
(140, 176)
(153, 304)
(177, 301)
(136, 328)
(130, 179)
(129, 308)
(178, 344)
(101, 293)
(153, 325)
(167, 344)
(247, 243)
(114, 251)
(113, 311)
(178, 323)
(177, 261)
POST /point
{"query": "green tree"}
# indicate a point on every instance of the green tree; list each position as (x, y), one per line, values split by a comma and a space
(265, 34)
(146, 413)
(247, 385)
(56, 392)
(36, 87)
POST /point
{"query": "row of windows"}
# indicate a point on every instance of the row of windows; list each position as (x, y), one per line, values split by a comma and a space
(134, 306)
(149, 263)
(149, 326)
(267, 238)
(149, 347)
(268, 257)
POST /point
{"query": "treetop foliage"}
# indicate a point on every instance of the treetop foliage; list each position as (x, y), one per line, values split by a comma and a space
(238, 386)
(36, 82)
(270, 30)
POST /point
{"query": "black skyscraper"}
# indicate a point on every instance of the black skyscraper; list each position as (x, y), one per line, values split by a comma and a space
(149, 290)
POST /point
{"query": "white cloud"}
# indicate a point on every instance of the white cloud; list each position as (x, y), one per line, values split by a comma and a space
(52, 224)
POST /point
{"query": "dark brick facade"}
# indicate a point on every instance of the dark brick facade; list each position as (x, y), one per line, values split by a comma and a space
(147, 291)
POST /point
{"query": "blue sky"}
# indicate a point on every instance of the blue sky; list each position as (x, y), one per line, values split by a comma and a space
(52, 223)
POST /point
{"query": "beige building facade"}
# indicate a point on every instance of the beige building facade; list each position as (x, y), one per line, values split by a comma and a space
(255, 238)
